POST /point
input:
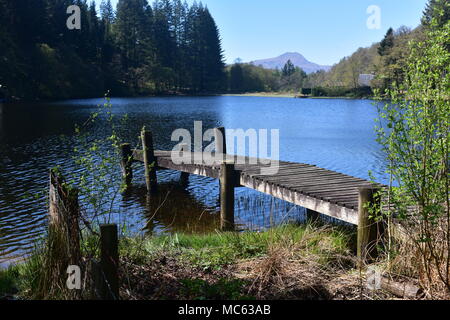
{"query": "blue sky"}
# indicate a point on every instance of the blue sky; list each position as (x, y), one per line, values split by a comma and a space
(324, 31)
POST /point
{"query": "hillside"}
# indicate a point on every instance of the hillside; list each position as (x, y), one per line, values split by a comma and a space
(296, 58)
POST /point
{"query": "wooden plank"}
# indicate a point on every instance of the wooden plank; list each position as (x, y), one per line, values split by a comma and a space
(282, 167)
(336, 189)
(306, 172)
(295, 174)
(320, 182)
(287, 172)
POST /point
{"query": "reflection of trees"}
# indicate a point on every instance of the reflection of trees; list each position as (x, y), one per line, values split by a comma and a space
(173, 209)
(1, 119)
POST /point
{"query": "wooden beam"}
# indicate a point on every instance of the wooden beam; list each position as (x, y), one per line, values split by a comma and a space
(184, 176)
(109, 262)
(150, 163)
(367, 226)
(227, 185)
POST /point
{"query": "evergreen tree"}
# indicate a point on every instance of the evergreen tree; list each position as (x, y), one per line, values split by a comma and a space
(288, 69)
(387, 43)
(107, 11)
(138, 49)
(236, 78)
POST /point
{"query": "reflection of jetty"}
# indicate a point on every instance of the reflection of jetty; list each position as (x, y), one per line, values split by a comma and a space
(185, 215)
(318, 190)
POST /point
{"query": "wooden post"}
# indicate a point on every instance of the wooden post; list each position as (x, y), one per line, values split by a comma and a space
(227, 185)
(312, 216)
(149, 161)
(220, 140)
(184, 176)
(109, 262)
(367, 227)
(64, 214)
(127, 160)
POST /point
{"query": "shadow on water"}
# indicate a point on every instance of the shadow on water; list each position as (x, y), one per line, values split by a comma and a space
(173, 210)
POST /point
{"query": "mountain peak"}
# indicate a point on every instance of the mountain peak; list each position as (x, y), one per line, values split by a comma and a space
(296, 58)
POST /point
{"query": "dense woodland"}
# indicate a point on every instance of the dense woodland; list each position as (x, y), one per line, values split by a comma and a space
(386, 60)
(137, 48)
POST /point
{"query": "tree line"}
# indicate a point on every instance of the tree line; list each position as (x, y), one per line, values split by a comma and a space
(168, 46)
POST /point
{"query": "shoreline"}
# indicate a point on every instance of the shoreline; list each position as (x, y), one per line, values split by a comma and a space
(168, 95)
(255, 94)
(288, 95)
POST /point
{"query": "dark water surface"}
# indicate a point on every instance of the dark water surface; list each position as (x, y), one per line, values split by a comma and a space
(333, 134)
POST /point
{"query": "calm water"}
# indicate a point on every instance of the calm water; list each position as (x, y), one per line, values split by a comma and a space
(334, 134)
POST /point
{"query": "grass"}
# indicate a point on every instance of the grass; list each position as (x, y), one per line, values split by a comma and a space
(201, 266)
(218, 249)
(21, 279)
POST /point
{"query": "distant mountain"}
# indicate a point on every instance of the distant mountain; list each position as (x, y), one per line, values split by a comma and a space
(296, 58)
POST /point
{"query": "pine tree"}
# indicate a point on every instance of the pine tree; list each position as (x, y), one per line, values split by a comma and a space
(387, 43)
(130, 30)
(236, 78)
(288, 69)
(107, 11)
(170, 47)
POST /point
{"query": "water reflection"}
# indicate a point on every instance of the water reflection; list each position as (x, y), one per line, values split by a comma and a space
(173, 209)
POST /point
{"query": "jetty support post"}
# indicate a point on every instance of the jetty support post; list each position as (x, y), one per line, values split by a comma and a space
(184, 176)
(149, 161)
(367, 225)
(109, 262)
(227, 185)
(126, 161)
(220, 140)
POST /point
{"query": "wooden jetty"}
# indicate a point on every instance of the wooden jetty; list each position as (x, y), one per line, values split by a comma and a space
(318, 190)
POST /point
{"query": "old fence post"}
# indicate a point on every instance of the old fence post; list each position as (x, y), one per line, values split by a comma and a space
(149, 161)
(109, 286)
(64, 213)
(227, 185)
(126, 161)
(63, 231)
(367, 225)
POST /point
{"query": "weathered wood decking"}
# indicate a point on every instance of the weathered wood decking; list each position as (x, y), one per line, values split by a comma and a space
(324, 191)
